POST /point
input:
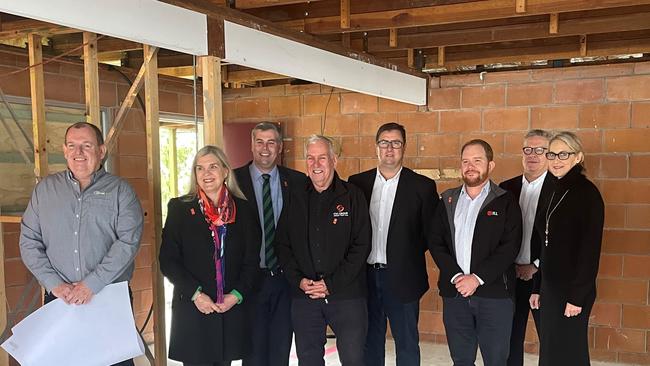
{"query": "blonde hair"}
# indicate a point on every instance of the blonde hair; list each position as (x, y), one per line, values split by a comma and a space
(230, 181)
(572, 141)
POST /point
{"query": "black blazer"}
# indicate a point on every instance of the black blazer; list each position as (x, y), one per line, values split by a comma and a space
(496, 242)
(415, 202)
(570, 261)
(289, 179)
(514, 186)
(347, 239)
(186, 259)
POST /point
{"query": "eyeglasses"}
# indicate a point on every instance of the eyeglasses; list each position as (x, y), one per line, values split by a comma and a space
(395, 144)
(537, 150)
(562, 155)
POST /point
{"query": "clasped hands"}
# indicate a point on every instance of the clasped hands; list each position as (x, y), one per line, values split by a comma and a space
(314, 289)
(466, 285)
(205, 304)
(569, 310)
(73, 293)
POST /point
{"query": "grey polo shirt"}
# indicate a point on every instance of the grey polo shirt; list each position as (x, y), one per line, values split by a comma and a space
(68, 235)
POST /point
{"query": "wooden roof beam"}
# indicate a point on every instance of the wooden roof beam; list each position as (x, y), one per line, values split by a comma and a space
(22, 28)
(250, 4)
(455, 13)
(345, 14)
(553, 24)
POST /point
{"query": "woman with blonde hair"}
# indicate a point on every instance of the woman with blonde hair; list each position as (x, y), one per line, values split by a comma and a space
(209, 252)
(571, 230)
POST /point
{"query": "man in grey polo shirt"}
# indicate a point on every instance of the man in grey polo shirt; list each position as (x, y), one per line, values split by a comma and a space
(82, 227)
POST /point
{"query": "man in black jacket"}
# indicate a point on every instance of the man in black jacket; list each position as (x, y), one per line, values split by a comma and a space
(531, 189)
(401, 201)
(475, 237)
(266, 186)
(323, 244)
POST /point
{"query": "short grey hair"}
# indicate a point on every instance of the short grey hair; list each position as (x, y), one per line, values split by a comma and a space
(537, 132)
(316, 138)
(266, 126)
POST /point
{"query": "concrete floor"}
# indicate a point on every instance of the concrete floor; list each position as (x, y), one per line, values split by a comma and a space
(432, 354)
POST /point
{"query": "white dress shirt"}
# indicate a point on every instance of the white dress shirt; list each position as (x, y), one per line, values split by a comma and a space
(528, 202)
(381, 208)
(467, 210)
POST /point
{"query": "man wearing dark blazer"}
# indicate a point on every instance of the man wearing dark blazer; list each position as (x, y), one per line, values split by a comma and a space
(400, 203)
(531, 189)
(272, 331)
(475, 236)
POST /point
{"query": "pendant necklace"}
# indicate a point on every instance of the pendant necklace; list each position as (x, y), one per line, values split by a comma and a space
(549, 214)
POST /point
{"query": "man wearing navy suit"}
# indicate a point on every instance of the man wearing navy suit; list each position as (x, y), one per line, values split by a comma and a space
(400, 203)
(532, 190)
(267, 186)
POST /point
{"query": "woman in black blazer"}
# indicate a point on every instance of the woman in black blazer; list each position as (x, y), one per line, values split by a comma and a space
(210, 252)
(571, 229)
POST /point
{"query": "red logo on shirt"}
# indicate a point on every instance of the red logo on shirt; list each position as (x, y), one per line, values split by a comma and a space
(192, 211)
(340, 208)
(492, 213)
(449, 199)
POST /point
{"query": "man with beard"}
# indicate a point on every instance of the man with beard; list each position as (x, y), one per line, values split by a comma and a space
(475, 238)
(533, 190)
(267, 187)
(323, 243)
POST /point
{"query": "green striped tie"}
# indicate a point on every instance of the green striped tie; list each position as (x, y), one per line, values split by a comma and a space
(269, 224)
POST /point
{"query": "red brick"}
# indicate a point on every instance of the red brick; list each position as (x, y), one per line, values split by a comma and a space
(228, 107)
(494, 139)
(635, 316)
(141, 279)
(642, 67)
(636, 266)
(308, 126)
(601, 355)
(460, 121)
(505, 119)
(613, 166)
(564, 117)
(391, 106)
(64, 88)
(358, 103)
(431, 322)
(611, 265)
(253, 107)
(419, 122)
(579, 91)
(641, 115)
(606, 314)
(133, 166)
(316, 104)
(460, 80)
(341, 125)
(293, 148)
(14, 84)
(107, 94)
(236, 93)
(606, 70)
(438, 145)
(12, 249)
(347, 167)
(556, 74)
(506, 168)
(628, 88)
(640, 166)
(615, 216)
(483, 96)
(634, 358)
(132, 144)
(529, 94)
(507, 77)
(591, 140)
(638, 217)
(268, 91)
(284, 106)
(305, 89)
(444, 98)
(626, 241)
(143, 258)
(169, 102)
(613, 115)
(514, 142)
(16, 273)
(628, 140)
(369, 123)
(623, 291)
(620, 339)
(186, 106)
(367, 164)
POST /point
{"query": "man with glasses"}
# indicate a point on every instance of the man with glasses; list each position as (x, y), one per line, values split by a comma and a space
(531, 189)
(401, 202)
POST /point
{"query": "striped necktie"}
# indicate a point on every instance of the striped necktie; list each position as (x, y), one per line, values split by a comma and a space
(269, 224)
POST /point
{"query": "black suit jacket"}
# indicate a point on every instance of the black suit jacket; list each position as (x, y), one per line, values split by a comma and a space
(496, 241)
(514, 186)
(415, 202)
(289, 179)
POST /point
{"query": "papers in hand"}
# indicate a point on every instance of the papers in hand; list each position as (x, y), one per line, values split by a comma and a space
(99, 333)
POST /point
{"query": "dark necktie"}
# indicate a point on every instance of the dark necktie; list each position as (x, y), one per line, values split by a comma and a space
(269, 224)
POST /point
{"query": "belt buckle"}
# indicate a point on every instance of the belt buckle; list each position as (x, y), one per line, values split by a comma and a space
(379, 266)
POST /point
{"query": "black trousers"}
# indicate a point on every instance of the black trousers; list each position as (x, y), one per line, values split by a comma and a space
(563, 341)
(272, 331)
(50, 297)
(472, 322)
(520, 322)
(347, 318)
(383, 305)
(222, 363)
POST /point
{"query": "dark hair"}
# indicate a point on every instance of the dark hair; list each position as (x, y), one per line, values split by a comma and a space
(390, 126)
(488, 149)
(96, 130)
(266, 126)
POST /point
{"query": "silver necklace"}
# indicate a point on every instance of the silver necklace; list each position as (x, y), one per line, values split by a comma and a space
(549, 214)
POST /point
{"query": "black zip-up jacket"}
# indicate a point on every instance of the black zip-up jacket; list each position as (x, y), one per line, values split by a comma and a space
(347, 241)
(495, 245)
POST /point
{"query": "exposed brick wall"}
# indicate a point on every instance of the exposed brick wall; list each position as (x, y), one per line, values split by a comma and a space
(607, 106)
